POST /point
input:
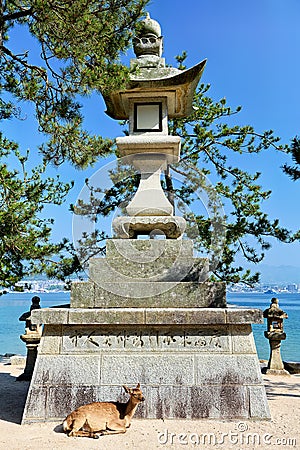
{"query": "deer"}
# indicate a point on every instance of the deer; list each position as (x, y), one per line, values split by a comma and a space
(100, 418)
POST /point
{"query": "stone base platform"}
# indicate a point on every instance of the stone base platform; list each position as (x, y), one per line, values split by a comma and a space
(148, 274)
(191, 362)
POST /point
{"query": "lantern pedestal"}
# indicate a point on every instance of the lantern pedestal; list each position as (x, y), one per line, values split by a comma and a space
(275, 364)
(127, 227)
(32, 341)
(150, 199)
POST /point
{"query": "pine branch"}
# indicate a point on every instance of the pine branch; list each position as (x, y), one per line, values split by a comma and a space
(24, 62)
(16, 15)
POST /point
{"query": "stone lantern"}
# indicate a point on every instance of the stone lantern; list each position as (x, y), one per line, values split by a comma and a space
(31, 337)
(275, 334)
(155, 94)
(148, 312)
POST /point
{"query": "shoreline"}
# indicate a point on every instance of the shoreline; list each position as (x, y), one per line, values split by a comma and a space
(15, 305)
(281, 431)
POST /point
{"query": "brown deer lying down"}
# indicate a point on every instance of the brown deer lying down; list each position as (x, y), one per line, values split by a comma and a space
(100, 418)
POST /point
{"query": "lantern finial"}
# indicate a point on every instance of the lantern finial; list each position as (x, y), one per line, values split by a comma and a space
(148, 39)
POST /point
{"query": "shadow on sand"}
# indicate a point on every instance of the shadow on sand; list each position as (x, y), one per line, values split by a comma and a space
(275, 388)
(12, 398)
(58, 428)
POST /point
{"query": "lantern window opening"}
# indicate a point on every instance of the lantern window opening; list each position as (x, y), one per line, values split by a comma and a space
(148, 117)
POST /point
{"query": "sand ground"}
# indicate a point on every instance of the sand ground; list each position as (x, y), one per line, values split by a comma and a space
(282, 432)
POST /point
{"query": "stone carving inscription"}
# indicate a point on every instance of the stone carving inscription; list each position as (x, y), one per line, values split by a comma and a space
(124, 339)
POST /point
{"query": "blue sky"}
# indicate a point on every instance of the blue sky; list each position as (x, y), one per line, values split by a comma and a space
(252, 50)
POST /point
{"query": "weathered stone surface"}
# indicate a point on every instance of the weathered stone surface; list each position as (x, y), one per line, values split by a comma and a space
(259, 408)
(191, 362)
(148, 369)
(150, 198)
(147, 250)
(185, 371)
(152, 260)
(233, 401)
(242, 339)
(82, 294)
(153, 145)
(74, 396)
(194, 402)
(113, 392)
(51, 340)
(228, 369)
(36, 404)
(160, 294)
(49, 316)
(189, 316)
(96, 339)
(102, 270)
(162, 402)
(155, 316)
(66, 370)
(244, 315)
(90, 316)
(57, 315)
(108, 316)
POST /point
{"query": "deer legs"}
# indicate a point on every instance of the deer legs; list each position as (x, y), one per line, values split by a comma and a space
(84, 430)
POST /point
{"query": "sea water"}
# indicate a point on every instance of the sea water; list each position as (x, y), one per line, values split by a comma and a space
(290, 303)
(13, 305)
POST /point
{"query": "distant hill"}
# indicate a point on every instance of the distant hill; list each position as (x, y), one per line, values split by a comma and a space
(278, 274)
(269, 274)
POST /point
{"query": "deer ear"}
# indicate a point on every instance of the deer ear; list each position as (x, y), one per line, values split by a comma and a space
(126, 389)
(138, 386)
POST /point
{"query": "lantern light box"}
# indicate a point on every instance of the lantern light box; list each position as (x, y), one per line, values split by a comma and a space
(147, 117)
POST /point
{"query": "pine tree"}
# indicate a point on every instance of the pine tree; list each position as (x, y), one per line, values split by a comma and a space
(74, 49)
(294, 150)
(79, 46)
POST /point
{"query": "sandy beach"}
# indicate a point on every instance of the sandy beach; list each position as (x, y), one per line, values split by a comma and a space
(281, 432)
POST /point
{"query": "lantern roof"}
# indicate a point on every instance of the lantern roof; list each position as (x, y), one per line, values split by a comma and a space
(151, 79)
(274, 311)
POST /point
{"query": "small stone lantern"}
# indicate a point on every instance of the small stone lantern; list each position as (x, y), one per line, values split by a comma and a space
(31, 337)
(275, 334)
